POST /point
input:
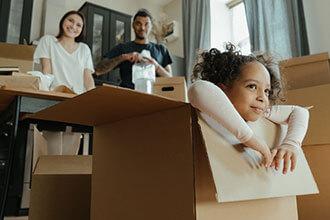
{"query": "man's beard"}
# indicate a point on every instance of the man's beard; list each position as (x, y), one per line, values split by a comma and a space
(140, 37)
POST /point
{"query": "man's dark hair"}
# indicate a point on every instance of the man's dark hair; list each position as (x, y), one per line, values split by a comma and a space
(143, 13)
(225, 67)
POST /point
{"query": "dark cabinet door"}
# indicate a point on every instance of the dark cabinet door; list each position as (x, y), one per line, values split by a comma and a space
(105, 28)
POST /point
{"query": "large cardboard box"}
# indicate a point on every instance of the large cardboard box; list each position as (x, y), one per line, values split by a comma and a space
(61, 188)
(306, 71)
(309, 79)
(171, 87)
(154, 159)
(17, 55)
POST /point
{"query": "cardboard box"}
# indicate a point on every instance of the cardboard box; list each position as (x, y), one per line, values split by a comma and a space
(319, 123)
(309, 79)
(20, 81)
(306, 71)
(171, 87)
(17, 55)
(317, 206)
(61, 188)
(153, 159)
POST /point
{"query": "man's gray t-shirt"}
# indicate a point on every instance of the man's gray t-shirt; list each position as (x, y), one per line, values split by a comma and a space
(157, 51)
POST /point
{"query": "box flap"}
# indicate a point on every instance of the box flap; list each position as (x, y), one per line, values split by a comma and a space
(237, 175)
(169, 80)
(319, 122)
(106, 104)
(64, 164)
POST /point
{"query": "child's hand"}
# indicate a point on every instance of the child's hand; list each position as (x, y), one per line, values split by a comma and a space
(289, 155)
(259, 145)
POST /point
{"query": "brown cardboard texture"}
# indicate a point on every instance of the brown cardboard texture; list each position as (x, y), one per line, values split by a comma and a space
(20, 81)
(306, 71)
(171, 87)
(61, 188)
(319, 123)
(317, 206)
(17, 55)
(145, 162)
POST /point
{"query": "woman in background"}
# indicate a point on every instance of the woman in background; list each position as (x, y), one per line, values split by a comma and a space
(65, 56)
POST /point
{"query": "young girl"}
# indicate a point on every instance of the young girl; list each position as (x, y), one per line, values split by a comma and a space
(65, 56)
(232, 90)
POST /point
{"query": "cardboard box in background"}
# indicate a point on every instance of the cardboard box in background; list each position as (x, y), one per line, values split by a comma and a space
(17, 55)
(171, 87)
(61, 188)
(317, 206)
(20, 81)
(306, 71)
(153, 159)
(309, 79)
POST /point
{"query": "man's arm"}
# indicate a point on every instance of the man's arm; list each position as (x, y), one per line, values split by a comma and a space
(165, 72)
(107, 64)
(162, 71)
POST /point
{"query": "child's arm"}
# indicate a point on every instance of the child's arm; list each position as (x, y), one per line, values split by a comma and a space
(297, 120)
(295, 117)
(210, 99)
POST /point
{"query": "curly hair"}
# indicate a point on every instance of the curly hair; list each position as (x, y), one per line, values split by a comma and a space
(225, 67)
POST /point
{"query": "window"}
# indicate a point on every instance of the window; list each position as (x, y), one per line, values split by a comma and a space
(228, 24)
(15, 20)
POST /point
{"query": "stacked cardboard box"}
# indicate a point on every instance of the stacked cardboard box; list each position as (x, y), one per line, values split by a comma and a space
(20, 56)
(309, 78)
(171, 87)
(153, 158)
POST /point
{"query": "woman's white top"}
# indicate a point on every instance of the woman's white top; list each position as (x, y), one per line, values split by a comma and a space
(218, 111)
(67, 68)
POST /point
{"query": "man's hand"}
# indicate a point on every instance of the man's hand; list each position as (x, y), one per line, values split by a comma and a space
(151, 61)
(259, 145)
(133, 57)
(288, 154)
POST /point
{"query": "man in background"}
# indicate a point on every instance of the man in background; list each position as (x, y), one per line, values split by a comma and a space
(126, 54)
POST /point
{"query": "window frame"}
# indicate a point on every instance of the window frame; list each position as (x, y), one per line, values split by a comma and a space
(26, 20)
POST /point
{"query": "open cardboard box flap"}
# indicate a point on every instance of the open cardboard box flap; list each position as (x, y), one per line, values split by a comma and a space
(236, 173)
(106, 104)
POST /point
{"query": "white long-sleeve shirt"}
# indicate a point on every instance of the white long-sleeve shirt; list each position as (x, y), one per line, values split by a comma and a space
(218, 110)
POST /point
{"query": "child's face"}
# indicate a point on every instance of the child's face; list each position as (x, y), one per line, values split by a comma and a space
(249, 93)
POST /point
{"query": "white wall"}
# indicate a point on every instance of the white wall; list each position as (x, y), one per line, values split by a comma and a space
(317, 15)
(47, 13)
(174, 12)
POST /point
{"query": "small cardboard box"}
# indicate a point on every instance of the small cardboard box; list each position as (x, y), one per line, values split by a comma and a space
(61, 188)
(154, 159)
(20, 81)
(17, 55)
(171, 87)
(306, 71)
